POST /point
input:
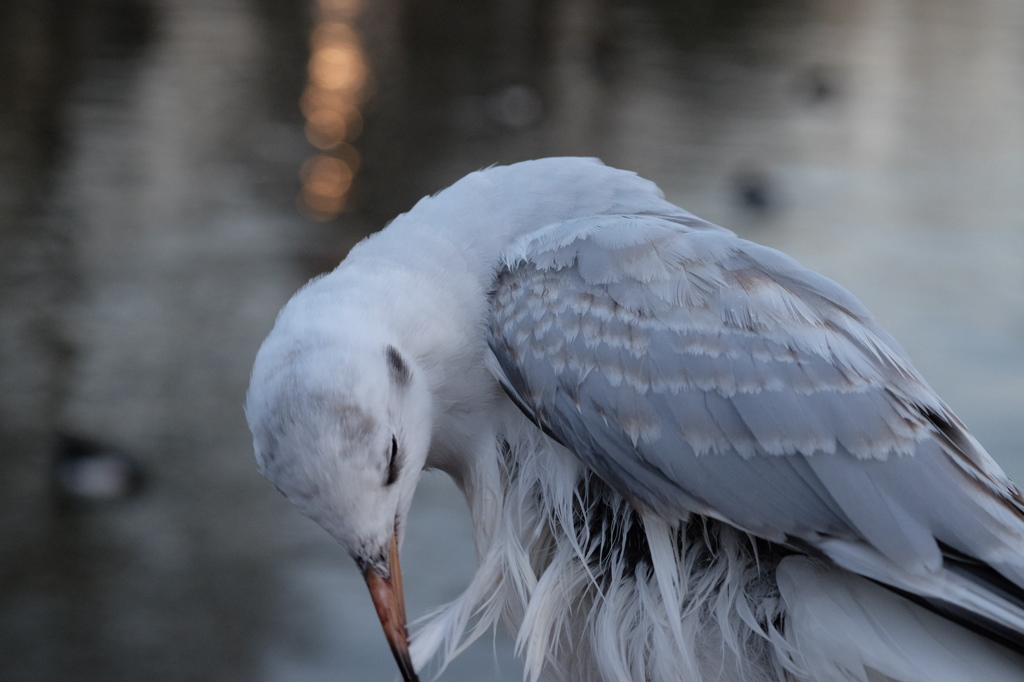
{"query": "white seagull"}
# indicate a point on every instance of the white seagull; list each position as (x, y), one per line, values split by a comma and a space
(687, 457)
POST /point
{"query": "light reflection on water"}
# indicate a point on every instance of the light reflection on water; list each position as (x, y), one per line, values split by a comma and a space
(147, 249)
(339, 78)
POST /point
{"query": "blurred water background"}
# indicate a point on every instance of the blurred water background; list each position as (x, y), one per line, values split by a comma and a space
(172, 170)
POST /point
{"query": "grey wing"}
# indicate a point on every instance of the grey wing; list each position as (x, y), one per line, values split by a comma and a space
(697, 372)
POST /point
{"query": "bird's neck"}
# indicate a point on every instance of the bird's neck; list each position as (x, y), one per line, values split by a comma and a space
(429, 293)
(430, 271)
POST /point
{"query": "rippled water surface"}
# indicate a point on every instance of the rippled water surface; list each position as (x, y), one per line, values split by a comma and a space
(172, 170)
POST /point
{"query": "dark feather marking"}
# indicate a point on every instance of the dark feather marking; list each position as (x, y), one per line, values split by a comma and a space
(356, 423)
(950, 432)
(607, 527)
(509, 461)
(953, 434)
(400, 372)
(978, 571)
(802, 546)
(611, 533)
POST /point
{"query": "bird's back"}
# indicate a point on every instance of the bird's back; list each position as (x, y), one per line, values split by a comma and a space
(749, 450)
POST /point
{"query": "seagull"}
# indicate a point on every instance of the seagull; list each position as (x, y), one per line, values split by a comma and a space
(687, 457)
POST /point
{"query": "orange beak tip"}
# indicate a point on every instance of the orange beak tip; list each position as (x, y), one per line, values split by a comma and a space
(386, 593)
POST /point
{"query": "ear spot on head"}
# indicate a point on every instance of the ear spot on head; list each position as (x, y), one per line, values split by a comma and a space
(400, 372)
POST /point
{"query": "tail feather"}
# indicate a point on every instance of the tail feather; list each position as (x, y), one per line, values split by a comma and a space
(969, 570)
(965, 590)
(829, 609)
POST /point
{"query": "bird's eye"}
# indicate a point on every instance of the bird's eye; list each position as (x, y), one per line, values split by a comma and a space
(393, 464)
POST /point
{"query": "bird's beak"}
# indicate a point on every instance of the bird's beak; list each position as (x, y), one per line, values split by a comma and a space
(386, 592)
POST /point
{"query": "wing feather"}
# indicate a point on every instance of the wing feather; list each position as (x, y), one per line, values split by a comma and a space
(696, 372)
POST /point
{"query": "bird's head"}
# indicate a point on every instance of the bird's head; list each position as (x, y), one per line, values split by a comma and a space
(343, 431)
